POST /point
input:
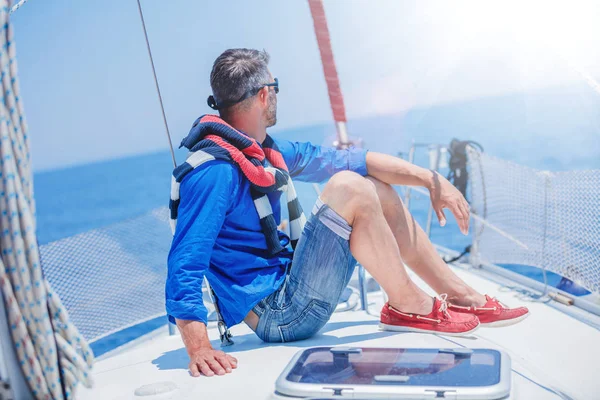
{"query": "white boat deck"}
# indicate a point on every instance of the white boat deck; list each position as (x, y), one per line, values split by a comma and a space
(553, 355)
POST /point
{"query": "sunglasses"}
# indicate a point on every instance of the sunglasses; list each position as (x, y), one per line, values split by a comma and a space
(212, 103)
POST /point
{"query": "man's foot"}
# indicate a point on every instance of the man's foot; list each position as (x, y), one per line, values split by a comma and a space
(493, 313)
(440, 320)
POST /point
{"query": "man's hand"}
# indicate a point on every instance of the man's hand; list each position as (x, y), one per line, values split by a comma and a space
(203, 358)
(209, 362)
(445, 195)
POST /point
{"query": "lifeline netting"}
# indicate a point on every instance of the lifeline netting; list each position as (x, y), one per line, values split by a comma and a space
(547, 219)
(113, 277)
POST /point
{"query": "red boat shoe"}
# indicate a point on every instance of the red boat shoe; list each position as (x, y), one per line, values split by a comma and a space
(440, 320)
(493, 313)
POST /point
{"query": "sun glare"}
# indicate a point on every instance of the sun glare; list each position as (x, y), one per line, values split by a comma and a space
(557, 25)
(565, 30)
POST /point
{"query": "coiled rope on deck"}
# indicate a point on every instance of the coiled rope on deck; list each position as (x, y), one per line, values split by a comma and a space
(52, 354)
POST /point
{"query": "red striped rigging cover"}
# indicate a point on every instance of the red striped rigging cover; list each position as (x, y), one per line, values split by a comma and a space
(331, 77)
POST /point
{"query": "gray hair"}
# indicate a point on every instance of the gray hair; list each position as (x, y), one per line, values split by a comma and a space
(237, 71)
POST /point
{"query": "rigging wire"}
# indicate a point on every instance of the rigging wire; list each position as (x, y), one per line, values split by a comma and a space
(521, 360)
(162, 107)
(18, 5)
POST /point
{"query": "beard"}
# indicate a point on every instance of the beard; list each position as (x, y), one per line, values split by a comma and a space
(271, 111)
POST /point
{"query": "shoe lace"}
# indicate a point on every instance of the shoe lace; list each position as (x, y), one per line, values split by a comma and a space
(444, 305)
(495, 300)
(499, 302)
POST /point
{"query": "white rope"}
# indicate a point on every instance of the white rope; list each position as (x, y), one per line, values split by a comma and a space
(47, 345)
(17, 6)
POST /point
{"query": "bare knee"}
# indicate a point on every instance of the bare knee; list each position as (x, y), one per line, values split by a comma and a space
(348, 194)
(351, 187)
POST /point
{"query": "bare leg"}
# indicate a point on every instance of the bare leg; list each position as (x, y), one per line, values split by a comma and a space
(418, 252)
(372, 241)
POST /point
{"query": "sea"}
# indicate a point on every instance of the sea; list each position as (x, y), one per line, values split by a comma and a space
(83, 197)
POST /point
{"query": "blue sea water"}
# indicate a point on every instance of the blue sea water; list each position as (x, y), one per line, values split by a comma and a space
(76, 199)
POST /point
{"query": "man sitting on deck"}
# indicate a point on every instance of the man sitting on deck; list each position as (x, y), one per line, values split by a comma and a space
(225, 203)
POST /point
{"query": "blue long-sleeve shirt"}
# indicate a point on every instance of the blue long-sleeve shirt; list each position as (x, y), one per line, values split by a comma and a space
(218, 233)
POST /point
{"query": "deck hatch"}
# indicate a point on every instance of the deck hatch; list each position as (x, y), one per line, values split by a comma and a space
(423, 373)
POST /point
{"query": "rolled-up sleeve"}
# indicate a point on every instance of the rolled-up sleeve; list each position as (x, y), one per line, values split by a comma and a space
(310, 163)
(206, 196)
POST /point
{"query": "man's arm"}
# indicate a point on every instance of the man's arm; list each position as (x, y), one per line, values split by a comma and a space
(311, 163)
(206, 195)
(396, 171)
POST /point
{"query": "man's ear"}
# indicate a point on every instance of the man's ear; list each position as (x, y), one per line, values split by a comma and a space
(263, 96)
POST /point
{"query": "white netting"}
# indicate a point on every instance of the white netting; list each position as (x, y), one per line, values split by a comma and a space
(544, 219)
(113, 277)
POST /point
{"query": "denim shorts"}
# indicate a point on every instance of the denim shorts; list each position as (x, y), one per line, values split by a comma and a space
(321, 268)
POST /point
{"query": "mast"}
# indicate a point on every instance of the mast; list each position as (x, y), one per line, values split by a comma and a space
(331, 76)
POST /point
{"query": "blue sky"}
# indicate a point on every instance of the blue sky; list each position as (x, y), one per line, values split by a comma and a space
(89, 95)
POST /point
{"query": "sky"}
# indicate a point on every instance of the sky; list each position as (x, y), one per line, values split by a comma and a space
(89, 94)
